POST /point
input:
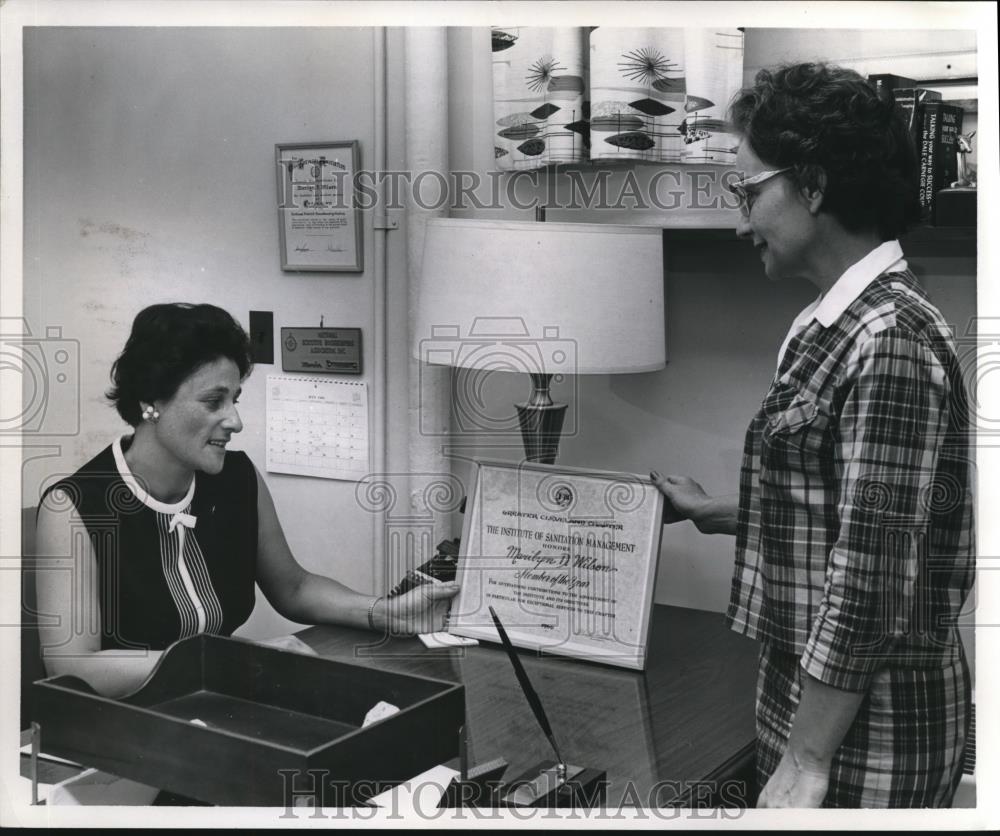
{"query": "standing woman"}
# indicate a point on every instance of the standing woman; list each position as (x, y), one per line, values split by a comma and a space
(169, 532)
(853, 522)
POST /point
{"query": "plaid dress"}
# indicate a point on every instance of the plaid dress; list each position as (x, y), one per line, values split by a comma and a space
(855, 544)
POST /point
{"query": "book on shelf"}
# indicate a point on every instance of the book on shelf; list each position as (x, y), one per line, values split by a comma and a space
(911, 101)
(938, 152)
(887, 82)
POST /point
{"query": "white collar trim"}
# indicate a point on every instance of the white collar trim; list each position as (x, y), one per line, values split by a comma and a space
(141, 494)
(856, 278)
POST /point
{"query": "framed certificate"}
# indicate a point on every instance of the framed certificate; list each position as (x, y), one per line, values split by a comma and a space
(566, 557)
(319, 216)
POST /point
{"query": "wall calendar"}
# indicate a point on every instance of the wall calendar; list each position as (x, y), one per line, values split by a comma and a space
(317, 427)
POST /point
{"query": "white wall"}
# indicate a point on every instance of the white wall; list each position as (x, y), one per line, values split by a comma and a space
(149, 177)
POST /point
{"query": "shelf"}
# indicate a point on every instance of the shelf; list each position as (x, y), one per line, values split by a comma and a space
(941, 242)
(941, 233)
(920, 233)
(938, 241)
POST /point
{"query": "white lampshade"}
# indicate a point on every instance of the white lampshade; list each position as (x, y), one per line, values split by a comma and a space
(549, 298)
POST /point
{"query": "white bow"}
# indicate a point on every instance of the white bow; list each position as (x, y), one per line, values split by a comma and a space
(185, 521)
(180, 518)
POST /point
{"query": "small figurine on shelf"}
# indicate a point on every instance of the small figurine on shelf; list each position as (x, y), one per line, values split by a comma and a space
(966, 173)
(956, 205)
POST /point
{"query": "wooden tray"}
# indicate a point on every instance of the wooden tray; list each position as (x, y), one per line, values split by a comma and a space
(279, 725)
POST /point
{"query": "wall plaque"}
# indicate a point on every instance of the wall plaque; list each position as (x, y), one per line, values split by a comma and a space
(321, 350)
(319, 211)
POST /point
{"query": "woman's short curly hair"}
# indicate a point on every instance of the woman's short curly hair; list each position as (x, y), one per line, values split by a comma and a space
(168, 343)
(820, 119)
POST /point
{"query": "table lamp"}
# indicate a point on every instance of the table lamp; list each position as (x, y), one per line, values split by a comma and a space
(542, 298)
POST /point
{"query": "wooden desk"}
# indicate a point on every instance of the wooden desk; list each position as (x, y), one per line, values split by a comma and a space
(690, 713)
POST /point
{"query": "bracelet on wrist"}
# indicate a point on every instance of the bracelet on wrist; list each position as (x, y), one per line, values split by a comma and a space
(371, 612)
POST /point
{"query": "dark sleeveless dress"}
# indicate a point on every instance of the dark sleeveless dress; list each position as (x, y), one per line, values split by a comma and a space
(166, 571)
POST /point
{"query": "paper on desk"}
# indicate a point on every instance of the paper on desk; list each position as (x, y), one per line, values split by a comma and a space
(379, 711)
(291, 643)
(425, 790)
(445, 640)
(94, 787)
(23, 795)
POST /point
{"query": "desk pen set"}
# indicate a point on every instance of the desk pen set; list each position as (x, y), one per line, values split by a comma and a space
(547, 784)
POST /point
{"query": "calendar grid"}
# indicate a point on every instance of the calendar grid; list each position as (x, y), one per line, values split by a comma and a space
(317, 427)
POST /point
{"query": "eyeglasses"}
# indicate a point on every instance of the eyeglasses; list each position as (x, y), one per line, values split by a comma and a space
(747, 196)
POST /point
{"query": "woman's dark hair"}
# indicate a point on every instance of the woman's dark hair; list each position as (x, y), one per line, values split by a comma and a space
(167, 344)
(822, 119)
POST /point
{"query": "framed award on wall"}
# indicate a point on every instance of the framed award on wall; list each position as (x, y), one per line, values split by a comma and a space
(319, 215)
(566, 557)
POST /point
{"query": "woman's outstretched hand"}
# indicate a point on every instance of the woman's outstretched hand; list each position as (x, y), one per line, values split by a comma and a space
(424, 609)
(686, 497)
(687, 500)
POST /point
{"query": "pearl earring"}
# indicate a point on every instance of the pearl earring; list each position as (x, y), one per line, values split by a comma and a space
(150, 414)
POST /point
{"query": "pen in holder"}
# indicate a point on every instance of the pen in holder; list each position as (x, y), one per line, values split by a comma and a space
(549, 783)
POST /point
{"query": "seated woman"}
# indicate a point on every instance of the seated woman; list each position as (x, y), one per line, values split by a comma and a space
(179, 530)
